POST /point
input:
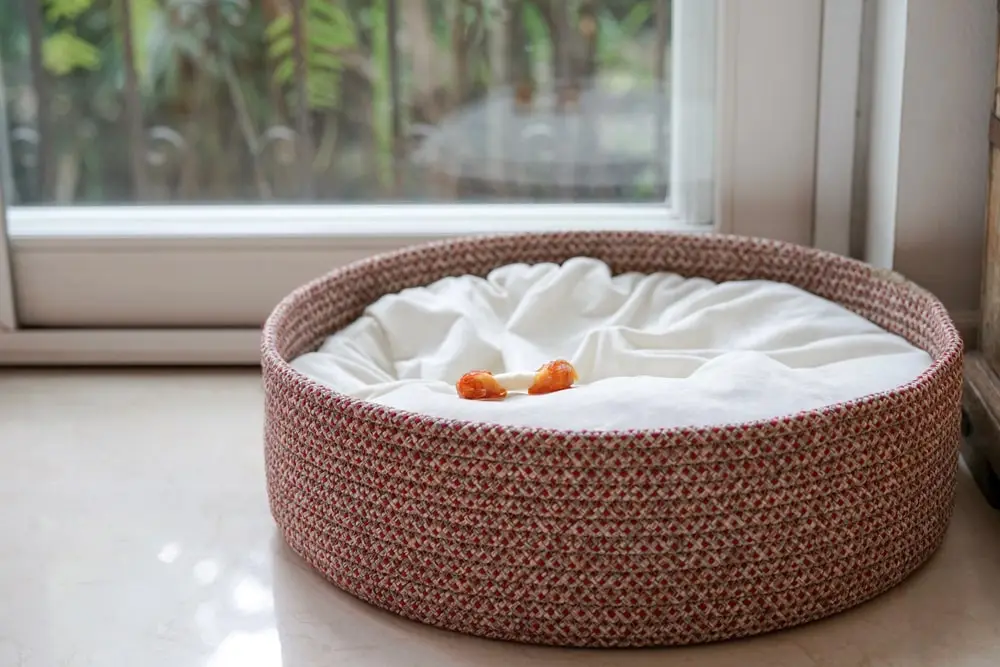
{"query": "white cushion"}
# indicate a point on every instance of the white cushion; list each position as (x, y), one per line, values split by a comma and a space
(652, 350)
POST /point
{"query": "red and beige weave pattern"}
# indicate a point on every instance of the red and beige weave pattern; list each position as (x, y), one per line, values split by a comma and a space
(613, 538)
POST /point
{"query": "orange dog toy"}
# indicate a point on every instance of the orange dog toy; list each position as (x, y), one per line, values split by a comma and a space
(480, 386)
(551, 377)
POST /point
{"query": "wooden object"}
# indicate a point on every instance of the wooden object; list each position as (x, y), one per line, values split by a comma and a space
(990, 327)
(982, 368)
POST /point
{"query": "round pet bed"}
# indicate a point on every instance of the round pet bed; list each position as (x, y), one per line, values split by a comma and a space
(607, 536)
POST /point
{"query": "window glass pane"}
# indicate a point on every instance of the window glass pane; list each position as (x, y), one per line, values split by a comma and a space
(336, 101)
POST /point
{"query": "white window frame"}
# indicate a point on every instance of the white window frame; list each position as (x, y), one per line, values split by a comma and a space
(8, 318)
(840, 70)
(171, 285)
(923, 199)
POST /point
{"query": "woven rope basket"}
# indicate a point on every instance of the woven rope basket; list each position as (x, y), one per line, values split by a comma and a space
(613, 538)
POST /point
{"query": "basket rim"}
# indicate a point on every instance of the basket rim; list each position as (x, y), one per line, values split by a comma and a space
(273, 363)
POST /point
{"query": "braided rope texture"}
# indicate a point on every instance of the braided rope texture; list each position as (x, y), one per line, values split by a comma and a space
(625, 538)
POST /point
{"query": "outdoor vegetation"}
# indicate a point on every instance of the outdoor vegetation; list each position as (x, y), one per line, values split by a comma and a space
(109, 101)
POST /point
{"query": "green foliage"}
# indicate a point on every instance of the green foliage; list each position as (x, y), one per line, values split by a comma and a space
(64, 52)
(328, 31)
(214, 45)
(144, 15)
(377, 19)
(537, 31)
(203, 64)
(66, 9)
(636, 19)
(616, 35)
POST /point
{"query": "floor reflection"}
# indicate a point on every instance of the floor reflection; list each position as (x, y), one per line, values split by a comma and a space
(248, 649)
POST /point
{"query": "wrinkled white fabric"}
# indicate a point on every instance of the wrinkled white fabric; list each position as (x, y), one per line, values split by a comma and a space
(652, 350)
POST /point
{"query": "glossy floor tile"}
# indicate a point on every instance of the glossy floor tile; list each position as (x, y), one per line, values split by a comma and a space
(134, 532)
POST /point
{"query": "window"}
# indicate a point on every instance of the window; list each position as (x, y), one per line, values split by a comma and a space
(331, 101)
(173, 167)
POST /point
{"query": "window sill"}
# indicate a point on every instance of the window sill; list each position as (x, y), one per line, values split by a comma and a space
(70, 262)
(96, 224)
(130, 347)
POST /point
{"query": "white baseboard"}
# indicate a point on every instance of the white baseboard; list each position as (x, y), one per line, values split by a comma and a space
(128, 347)
(185, 347)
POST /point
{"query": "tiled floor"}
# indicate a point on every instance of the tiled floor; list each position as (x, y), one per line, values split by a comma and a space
(134, 532)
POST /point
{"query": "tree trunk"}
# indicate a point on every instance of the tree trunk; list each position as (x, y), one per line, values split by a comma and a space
(427, 60)
(303, 120)
(133, 107)
(43, 87)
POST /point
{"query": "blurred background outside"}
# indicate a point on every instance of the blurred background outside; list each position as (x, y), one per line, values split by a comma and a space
(334, 101)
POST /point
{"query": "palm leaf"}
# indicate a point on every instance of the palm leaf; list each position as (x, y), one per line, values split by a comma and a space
(328, 30)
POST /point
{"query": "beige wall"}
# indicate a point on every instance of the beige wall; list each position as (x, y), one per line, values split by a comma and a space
(922, 198)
